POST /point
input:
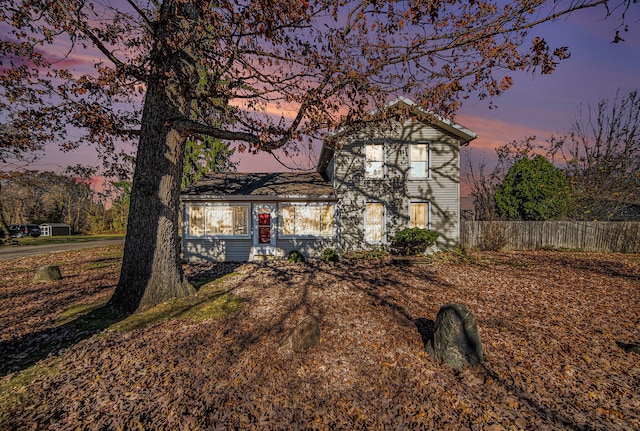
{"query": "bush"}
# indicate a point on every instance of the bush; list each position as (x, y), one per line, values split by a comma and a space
(329, 255)
(493, 237)
(374, 253)
(295, 256)
(413, 241)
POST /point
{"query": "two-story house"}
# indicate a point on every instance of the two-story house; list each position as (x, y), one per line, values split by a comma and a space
(370, 183)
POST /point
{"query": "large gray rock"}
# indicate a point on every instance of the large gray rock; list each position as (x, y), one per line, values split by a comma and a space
(47, 273)
(455, 340)
(302, 337)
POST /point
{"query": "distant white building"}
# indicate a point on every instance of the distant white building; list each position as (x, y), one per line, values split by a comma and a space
(55, 229)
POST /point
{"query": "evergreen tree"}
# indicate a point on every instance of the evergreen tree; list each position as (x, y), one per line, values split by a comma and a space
(207, 155)
(533, 189)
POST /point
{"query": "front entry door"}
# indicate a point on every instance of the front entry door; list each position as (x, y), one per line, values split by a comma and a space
(264, 225)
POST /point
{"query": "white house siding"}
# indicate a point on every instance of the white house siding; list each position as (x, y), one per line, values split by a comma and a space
(395, 189)
(443, 188)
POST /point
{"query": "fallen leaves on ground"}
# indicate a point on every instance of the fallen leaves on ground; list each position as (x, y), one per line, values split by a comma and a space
(551, 324)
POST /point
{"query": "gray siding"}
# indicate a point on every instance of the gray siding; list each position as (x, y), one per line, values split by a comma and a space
(309, 247)
(213, 249)
(230, 250)
(396, 190)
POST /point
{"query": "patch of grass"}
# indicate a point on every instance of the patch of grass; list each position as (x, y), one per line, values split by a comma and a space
(115, 254)
(78, 310)
(103, 263)
(210, 302)
(13, 388)
(198, 307)
(214, 307)
(41, 240)
(210, 284)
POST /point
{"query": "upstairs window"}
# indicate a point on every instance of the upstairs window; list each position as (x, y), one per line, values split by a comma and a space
(374, 160)
(419, 160)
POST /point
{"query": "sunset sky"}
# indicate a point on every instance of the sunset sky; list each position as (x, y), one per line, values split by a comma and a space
(540, 105)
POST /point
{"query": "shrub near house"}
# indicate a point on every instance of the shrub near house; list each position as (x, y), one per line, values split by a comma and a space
(413, 241)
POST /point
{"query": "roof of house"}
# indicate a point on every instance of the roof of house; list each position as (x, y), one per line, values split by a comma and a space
(260, 186)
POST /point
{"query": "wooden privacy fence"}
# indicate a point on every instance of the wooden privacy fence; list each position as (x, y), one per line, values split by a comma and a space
(534, 235)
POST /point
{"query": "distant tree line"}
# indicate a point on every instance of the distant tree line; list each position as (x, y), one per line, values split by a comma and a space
(30, 196)
(590, 173)
(46, 197)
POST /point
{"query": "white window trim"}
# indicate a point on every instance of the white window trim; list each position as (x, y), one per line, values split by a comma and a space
(383, 161)
(428, 167)
(206, 205)
(383, 235)
(320, 205)
(428, 227)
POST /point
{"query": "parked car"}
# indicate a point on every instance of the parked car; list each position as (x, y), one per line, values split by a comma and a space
(22, 230)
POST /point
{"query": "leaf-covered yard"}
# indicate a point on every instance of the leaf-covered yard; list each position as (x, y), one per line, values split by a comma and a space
(557, 329)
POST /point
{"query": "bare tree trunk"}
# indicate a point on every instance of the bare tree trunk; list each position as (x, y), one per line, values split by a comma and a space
(151, 269)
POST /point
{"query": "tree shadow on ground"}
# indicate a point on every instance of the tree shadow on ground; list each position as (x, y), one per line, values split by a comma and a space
(200, 274)
(21, 353)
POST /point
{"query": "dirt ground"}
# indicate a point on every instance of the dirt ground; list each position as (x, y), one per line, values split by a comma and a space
(556, 327)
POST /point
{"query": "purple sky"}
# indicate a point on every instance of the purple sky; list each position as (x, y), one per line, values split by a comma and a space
(540, 105)
(544, 105)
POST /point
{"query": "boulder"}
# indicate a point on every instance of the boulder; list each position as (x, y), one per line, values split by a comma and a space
(47, 273)
(455, 340)
(303, 336)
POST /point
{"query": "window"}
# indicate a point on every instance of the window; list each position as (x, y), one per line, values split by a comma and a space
(218, 220)
(420, 215)
(374, 160)
(373, 222)
(310, 219)
(419, 160)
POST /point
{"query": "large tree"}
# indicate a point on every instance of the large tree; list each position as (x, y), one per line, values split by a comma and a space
(277, 74)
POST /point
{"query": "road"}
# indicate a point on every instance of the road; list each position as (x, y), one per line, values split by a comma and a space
(8, 252)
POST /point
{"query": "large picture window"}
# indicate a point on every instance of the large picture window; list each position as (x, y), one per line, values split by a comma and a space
(419, 160)
(374, 222)
(310, 219)
(420, 215)
(374, 160)
(218, 220)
